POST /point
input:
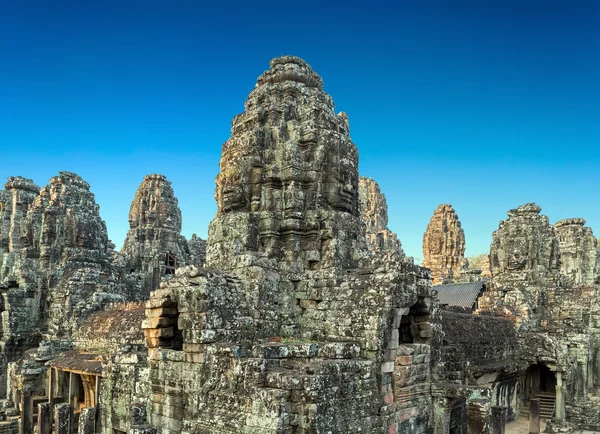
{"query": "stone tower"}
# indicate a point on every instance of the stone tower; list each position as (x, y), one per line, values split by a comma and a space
(444, 244)
(153, 246)
(374, 212)
(15, 201)
(525, 266)
(579, 255)
(288, 184)
(287, 263)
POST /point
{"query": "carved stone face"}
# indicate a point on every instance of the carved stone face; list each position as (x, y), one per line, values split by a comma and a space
(231, 194)
(289, 159)
(340, 190)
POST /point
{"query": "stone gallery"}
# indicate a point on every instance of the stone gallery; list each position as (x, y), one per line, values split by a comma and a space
(300, 313)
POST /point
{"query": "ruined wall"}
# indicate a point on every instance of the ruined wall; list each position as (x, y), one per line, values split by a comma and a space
(155, 227)
(444, 244)
(374, 212)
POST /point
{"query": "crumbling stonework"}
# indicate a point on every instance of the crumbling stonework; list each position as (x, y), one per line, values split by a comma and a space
(579, 255)
(444, 244)
(374, 212)
(197, 247)
(480, 262)
(153, 244)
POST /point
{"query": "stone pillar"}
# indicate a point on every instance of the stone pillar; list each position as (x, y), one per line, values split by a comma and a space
(441, 416)
(26, 425)
(534, 416)
(498, 419)
(71, 401)
(477, 417)
(62, 417)
(87, 421)
(560, 398)
(97, 402)
(582, 376)
(44, 424)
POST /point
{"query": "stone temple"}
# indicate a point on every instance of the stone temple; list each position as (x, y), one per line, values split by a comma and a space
(300, 313)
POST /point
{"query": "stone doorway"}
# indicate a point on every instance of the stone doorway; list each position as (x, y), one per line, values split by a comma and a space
(540, 383)
(458, 417)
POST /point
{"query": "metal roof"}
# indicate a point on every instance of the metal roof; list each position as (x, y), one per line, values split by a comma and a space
(81, 363)
(459, 294)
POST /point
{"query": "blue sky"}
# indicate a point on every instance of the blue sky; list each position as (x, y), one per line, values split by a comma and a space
(482, 104)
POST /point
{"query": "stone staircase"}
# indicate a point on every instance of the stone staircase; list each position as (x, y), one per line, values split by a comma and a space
(547, 404)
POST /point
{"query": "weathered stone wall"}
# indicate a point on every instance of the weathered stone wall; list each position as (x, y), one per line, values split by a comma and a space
(484, 351)
(112, 330)
(444, 244)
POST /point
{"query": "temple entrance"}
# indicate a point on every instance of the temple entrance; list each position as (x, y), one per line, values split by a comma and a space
(415, 327)
(458, 417)
(540, 383)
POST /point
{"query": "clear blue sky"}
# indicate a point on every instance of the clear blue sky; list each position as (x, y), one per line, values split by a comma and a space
(482, 104)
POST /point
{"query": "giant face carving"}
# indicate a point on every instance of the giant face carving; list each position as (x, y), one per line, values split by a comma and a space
(290, 157)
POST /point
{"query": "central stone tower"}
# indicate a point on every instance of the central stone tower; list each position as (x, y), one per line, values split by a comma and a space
(288, 185)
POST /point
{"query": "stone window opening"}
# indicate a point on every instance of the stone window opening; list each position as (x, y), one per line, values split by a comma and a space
(162, 326)
(170, 263)
(416, 327)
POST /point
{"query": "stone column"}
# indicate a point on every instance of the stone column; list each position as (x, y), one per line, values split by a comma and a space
(534, 416)
(71, 400)
(560, 398)
(441, 416)
(97, 401)
(62, 417)
(26, 425)
(51, 379)
(478, 417)
(87, 421)
(498, 419)
(44, 425)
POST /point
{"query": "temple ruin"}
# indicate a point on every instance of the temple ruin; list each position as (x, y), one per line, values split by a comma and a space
(300, 313)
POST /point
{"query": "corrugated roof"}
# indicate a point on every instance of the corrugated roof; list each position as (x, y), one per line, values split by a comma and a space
(459, 294)
(78, 362)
